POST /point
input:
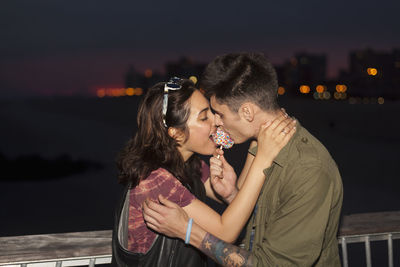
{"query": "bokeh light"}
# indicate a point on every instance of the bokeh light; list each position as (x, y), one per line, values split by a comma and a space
(281, 90)
(326, 95)
(148, 73)
(372, 71)
(193, 79)
(320, 88)
(341, 88)
(130, 91)
(304, 89)
(101, 93)
(117, 92)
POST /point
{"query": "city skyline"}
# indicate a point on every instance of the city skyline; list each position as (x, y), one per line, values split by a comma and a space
(64, 47)
(372, 74)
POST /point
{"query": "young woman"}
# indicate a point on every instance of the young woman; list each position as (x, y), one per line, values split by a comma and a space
(174, 123)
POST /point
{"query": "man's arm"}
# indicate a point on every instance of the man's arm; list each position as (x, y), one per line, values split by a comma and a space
(221, 252)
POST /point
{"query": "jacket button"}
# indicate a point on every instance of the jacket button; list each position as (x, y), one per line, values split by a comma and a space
(304, 140)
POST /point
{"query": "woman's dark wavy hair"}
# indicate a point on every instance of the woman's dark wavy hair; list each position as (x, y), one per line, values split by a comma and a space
(152, 147)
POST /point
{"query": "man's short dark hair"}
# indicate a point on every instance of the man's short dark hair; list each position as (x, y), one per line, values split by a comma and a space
(236, 78)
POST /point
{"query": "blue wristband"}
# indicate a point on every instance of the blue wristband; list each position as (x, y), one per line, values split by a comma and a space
(188, 231)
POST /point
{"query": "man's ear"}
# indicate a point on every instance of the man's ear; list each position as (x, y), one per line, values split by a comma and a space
(177, 134)
(247, 111)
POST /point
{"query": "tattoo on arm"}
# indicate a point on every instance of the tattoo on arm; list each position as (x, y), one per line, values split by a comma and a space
(224, 253)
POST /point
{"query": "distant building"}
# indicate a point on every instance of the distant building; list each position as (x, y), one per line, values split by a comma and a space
(311, 68)
(134, 79)
(184, 68)
(302, 69)
(374, 73)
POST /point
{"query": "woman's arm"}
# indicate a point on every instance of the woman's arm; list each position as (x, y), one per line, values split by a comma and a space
(249, 160)
(246, 167)
(228, 225)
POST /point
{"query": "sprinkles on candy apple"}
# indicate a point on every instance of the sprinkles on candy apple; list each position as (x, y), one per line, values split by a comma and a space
(222, 139)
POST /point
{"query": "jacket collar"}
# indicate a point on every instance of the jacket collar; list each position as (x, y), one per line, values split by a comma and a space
(281, 158)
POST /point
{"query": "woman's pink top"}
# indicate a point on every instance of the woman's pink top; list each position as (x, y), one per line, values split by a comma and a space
(159, 182)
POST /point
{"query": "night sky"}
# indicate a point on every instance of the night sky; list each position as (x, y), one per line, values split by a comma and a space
(70, 47)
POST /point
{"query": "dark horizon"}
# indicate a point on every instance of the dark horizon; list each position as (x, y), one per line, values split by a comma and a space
(65, 48)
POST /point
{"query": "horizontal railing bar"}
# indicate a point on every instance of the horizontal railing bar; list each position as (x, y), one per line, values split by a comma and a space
(75, 261)
(370, 223)
(48, 247)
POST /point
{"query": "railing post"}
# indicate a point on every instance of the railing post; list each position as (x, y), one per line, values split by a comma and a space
(368, 251)
(390, 250)
(58, 263)
(92, 262)
(344, 253)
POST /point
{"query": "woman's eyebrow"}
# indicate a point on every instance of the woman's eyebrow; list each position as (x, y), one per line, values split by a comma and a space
(204, 109)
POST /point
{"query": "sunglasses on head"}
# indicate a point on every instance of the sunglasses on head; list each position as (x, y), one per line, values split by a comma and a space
(173, 85)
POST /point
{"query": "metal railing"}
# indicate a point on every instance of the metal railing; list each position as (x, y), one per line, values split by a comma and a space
(367, 239)
(65, 249)
(94, 248)
(366, 228)
(77, 261)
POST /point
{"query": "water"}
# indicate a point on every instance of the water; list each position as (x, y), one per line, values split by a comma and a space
(363, 139)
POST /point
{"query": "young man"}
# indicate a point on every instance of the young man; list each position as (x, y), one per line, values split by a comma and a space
(296, 217)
